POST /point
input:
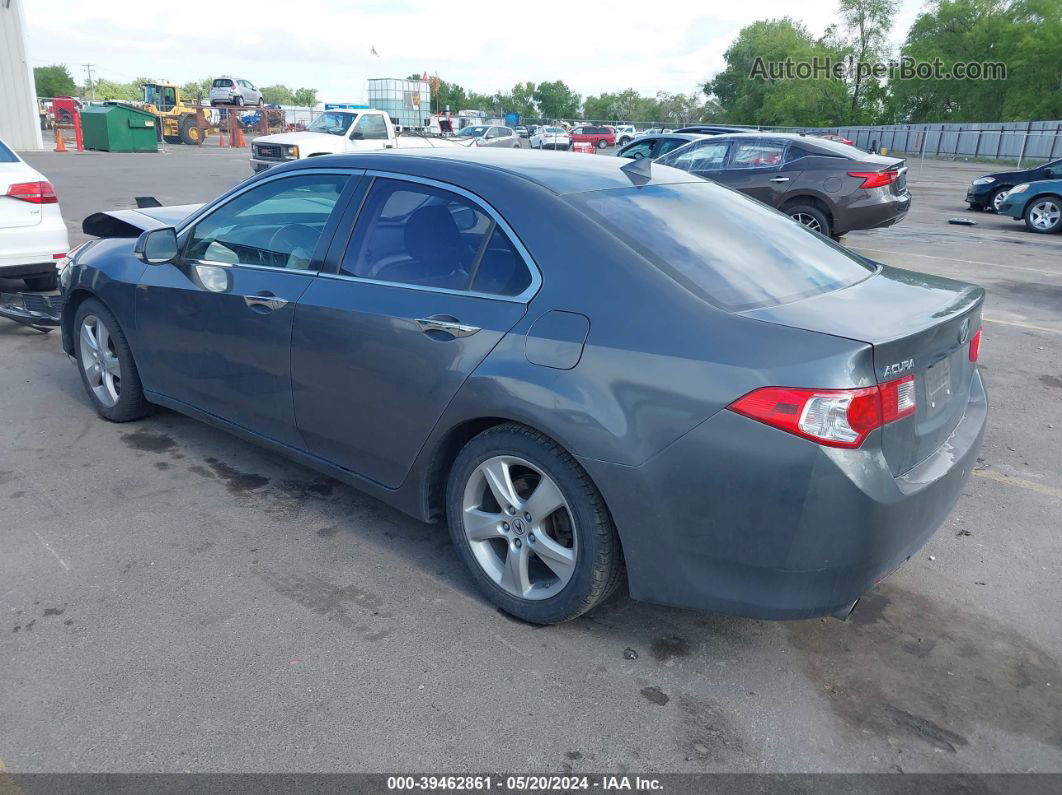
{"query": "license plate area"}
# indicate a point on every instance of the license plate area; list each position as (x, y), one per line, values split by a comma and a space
(938, 384)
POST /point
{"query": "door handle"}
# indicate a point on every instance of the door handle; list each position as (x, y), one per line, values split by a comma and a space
(778, 179)
(446, 325)
(266, 301)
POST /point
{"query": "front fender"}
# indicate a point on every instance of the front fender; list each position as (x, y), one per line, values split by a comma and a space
(109, 272)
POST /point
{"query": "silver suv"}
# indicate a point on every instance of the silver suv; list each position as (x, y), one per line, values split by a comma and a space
(234, 91)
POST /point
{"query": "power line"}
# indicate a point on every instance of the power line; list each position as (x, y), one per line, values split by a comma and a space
(90, 85)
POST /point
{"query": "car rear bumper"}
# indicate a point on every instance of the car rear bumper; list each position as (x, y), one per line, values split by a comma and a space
(746, 519)
(27, 250)
(881, 208)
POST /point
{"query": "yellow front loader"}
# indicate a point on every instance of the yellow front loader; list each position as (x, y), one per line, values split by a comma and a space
(179, 123)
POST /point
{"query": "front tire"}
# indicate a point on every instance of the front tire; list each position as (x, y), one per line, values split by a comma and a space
(190, 132)
(106, 364)
(1043, 215)
(811, 217)
(531, 526)
(995, 201)
(602, 143)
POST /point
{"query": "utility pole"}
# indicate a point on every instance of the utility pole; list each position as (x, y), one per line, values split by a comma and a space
(90, 85)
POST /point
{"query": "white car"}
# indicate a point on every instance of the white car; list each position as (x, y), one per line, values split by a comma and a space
(625, 133)
(33, 236)
(550, 138)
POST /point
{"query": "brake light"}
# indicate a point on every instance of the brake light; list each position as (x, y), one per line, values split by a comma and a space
(33, 192)
(875, 179)
(975, 345)
(830, 417)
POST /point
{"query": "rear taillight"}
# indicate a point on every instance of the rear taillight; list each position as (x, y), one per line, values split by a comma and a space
(975, 346)
(33, 192)
(831, 417)
(875, 179)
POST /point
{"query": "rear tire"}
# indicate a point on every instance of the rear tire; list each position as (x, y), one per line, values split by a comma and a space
(107, 370)
(602, 144)
(547, 569)
(1043, 215)
(43, 282)
(239, 100)
(811, 217)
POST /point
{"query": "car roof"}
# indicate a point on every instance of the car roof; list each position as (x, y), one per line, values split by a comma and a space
(559, 172)
(683, 136)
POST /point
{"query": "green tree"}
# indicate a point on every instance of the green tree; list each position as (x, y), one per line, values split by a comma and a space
(865, 39)
(279, 94)
(53, 81)
(195, 90)
(747, 97)
(556, 101)
(110, 90)
(305, 97)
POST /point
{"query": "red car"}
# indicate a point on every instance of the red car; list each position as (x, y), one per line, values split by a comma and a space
(598, 136)
(838, 138)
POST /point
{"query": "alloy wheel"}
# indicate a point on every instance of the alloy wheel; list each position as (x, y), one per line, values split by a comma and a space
(100, 361)
(809, 221)
(1045, 214)
(519, 527)
(998, 199)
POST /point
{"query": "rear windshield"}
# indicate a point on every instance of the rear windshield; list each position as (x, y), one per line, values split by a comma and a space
(6, 155)
(733, 252)
(222, 83)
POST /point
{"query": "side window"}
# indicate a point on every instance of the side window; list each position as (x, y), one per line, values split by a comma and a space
(275, 224)
(421, 235)
(639, 150)
(795, 153)
(370, 127)
(757, 154)
(705, 156)
(667, 144)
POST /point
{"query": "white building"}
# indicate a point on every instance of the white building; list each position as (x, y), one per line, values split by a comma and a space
(20, 125)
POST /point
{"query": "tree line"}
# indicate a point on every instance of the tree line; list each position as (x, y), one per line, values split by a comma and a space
(56, 81)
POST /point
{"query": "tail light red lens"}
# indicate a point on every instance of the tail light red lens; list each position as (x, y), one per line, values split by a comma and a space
(875, 179)
(975, 346)
(830, 417)
(33, 192)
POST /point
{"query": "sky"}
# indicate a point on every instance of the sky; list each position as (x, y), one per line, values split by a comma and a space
(484, 45)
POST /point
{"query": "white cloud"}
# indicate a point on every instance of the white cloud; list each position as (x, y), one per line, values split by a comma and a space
(594, 46)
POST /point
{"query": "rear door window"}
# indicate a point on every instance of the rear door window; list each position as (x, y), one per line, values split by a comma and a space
(730, 250)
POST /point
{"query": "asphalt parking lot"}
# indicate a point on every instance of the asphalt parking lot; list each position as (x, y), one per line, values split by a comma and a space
(174, 599)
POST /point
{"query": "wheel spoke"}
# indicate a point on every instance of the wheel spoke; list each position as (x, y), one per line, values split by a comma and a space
(481, 525)
(544, 500)
(87, 338)
(560, 560)
(110, 364)
(515, 578)
(103, 336)
(500, 482)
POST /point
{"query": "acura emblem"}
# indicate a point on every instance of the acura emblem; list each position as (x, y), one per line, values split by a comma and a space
(964, 330)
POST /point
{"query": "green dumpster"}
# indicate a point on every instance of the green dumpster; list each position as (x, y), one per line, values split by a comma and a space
(114, 127)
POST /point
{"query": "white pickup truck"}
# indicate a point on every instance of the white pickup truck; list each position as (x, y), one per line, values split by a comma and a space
(335, 132)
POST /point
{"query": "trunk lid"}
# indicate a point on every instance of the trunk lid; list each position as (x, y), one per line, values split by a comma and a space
(918, 325)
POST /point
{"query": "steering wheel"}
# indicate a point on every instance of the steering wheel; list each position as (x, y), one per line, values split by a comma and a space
(296, 242)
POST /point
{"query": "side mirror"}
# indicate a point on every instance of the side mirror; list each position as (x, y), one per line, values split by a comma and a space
(157, 246)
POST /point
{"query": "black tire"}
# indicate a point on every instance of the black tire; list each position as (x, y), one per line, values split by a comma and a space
(996, 195)
(810, 211)
(131, 404)
(598, 567)
(42, 282)
(1035, 207)
(602, 143)
(261, 102)
(190, 133)
(238, 100)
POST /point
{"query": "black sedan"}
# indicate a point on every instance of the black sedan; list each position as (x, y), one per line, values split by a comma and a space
(594, 370)
(829, 187)
(989, 191)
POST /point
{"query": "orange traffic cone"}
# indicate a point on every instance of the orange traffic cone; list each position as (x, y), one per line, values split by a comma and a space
(240, 143)
(221, 138)
(60, 145)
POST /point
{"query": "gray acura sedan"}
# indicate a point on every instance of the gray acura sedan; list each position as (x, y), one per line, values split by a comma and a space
(594, 370)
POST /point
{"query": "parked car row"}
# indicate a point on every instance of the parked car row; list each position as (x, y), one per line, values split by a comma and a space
(1033, 195)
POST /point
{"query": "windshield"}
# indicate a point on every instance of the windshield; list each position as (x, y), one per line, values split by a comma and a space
(332, 122)
(730, 250)
(6, 155)
(472, 132)
(554, 131)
